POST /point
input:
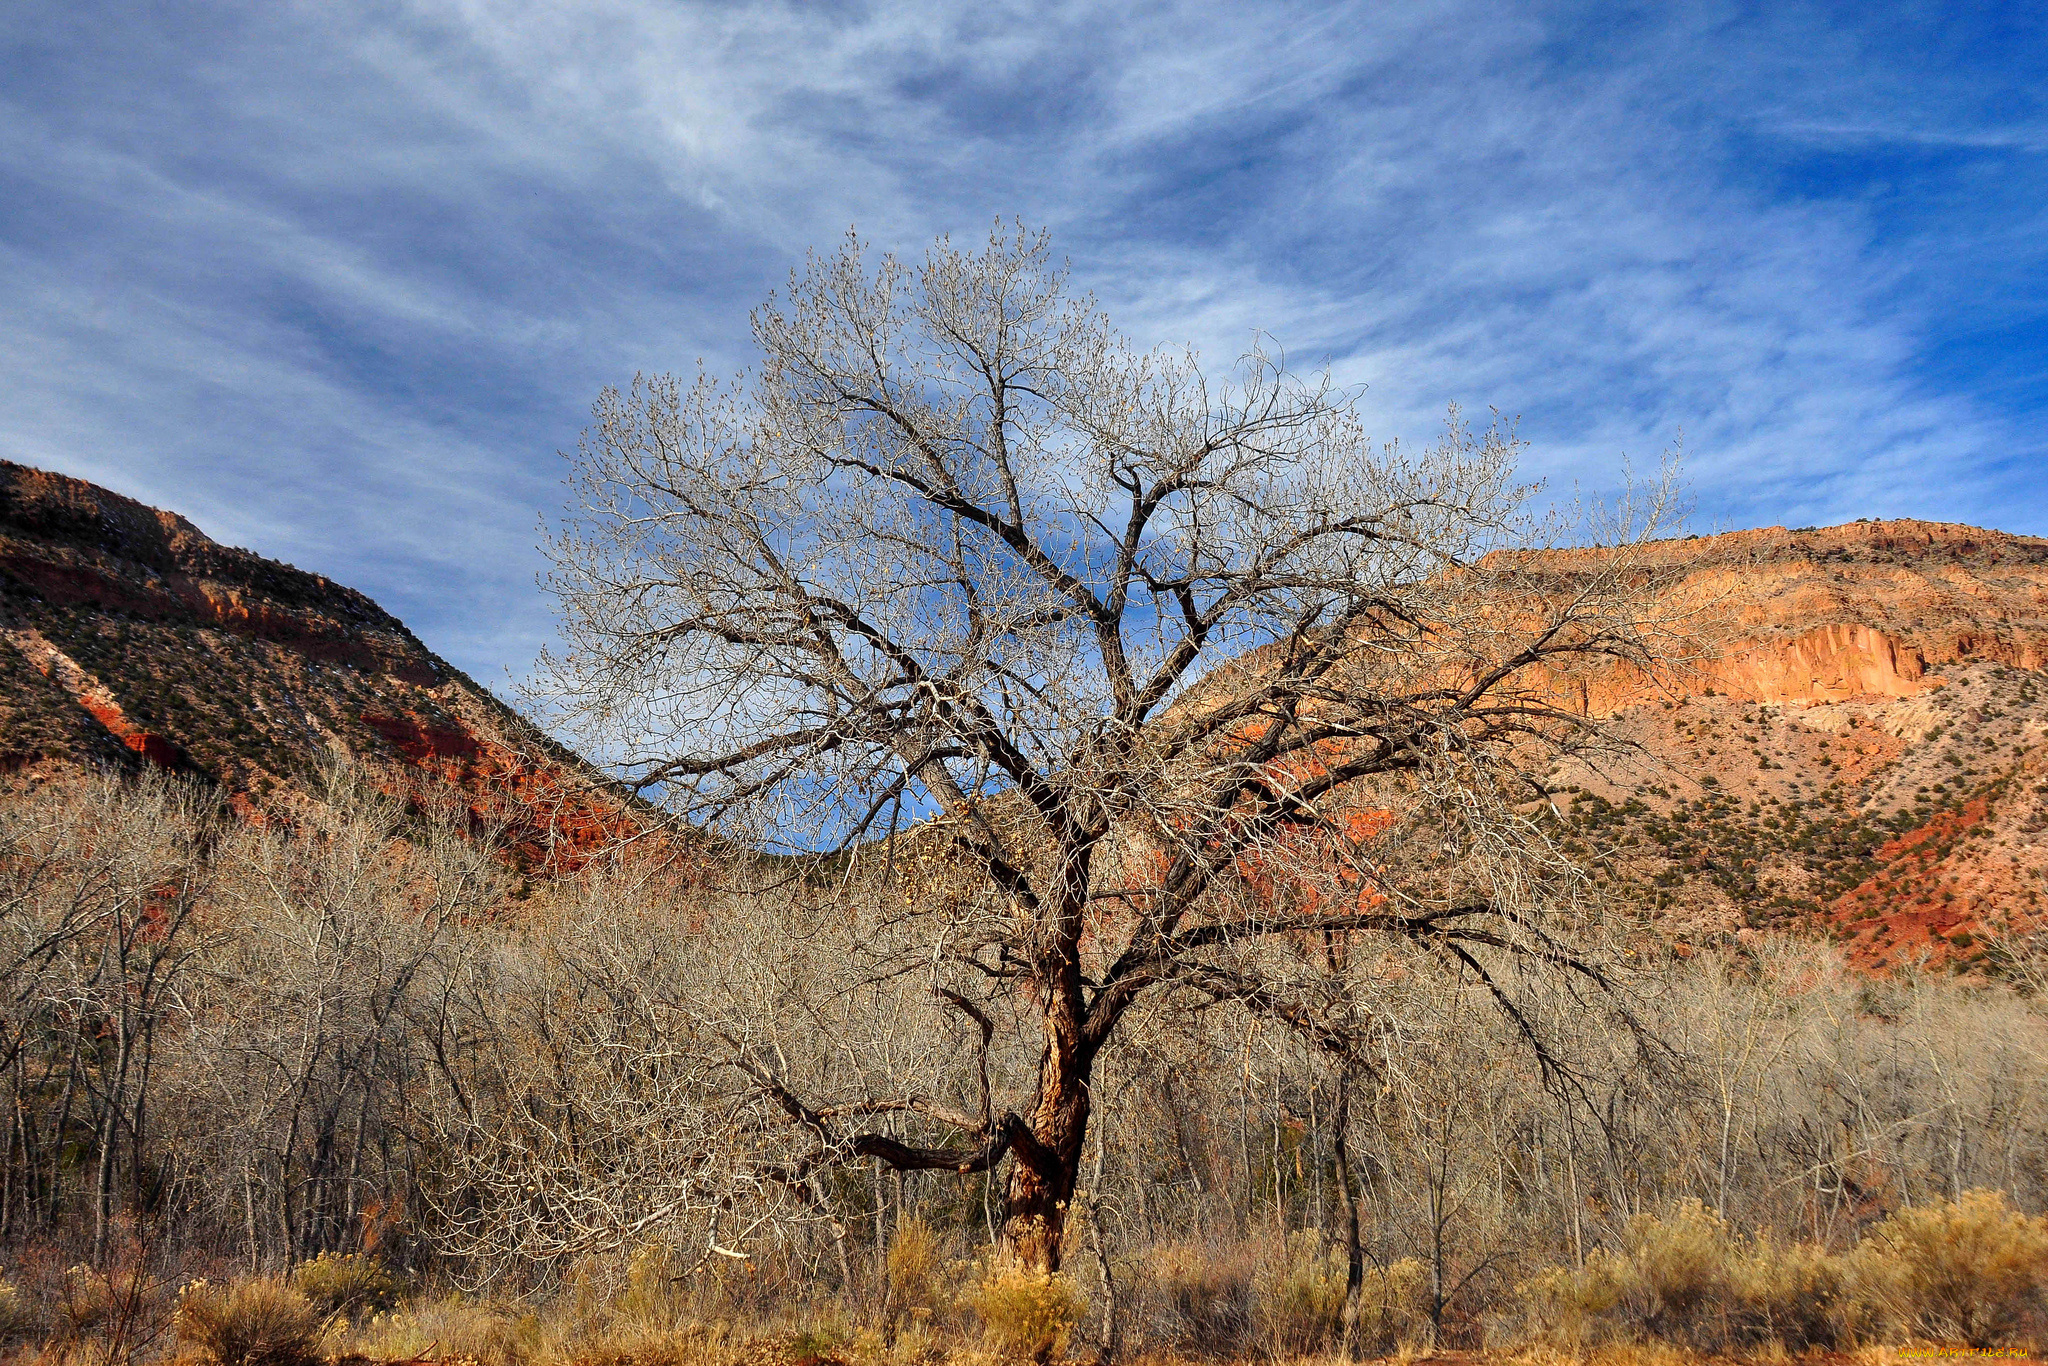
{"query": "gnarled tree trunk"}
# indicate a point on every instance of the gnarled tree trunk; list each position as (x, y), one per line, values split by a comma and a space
(1045, 1167)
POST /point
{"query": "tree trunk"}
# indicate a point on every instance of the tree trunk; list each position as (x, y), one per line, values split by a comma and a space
(1354, 1245)
(1112, 1323)
(1046, 1166)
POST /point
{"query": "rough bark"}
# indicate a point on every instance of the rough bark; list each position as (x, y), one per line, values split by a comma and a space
(1046, 1167)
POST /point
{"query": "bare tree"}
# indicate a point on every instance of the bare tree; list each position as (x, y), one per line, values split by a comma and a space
(1183, 674)
(313, 1016)
(98, 896)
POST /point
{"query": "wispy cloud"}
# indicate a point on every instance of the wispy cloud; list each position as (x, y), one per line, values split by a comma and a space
(1992, 139)
(338, 282)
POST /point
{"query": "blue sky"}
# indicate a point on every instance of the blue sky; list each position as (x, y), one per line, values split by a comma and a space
(338, 281)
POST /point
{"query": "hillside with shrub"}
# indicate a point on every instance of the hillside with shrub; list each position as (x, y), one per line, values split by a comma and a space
(1862, 754)
(130, 639)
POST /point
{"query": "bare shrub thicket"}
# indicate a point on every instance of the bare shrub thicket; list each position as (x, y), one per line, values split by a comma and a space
(357, 1047)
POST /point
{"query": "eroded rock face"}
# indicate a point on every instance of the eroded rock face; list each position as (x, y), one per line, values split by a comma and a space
(127, 636)
(1822, 615)
(1866, 755)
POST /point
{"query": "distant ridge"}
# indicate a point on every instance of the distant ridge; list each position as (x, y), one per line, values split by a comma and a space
(1827, 613)
(1866, 757)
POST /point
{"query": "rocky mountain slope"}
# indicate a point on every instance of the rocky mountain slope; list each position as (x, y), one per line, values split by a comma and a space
(128, 637)
(1866, 754)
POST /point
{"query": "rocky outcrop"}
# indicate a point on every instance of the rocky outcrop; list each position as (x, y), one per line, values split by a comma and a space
(1828, 664)
(1864, 754)
(1866, 609)
(127, 636)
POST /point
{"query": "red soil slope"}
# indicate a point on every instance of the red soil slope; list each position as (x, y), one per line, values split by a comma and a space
(1866, 754)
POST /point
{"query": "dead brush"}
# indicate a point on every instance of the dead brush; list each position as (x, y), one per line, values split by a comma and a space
(1677, 1283)
(1207, 1294)
(1298, 1299)
(1027, 1315)
(346, 1284)
(1797, 1295)
(1974, 1270)
(448, 1329)
(258, 1322)
(915, 1268)
(1681, 1279)
(1298, 1295)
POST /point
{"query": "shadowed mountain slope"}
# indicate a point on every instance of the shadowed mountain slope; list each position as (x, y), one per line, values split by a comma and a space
(128, 637)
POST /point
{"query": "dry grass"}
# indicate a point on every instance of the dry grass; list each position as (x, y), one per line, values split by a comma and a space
(450, 1329)
(1678, 1287)
(247, 1323)
(1027, 1314)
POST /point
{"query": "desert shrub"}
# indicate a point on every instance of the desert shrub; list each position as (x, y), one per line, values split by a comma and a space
(1027, 1314)
(16, 1318)
(1673, 1279)
(1676, 1282)
(1392, 1304)
(915, 1267)
(1798, 1295)
(1970, 1270)
(85, 1300)
(1298, 1296)
(338, 1284)
(247, 1323)
(1207, 1294)
(449, 1329)
(1570, 1307)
